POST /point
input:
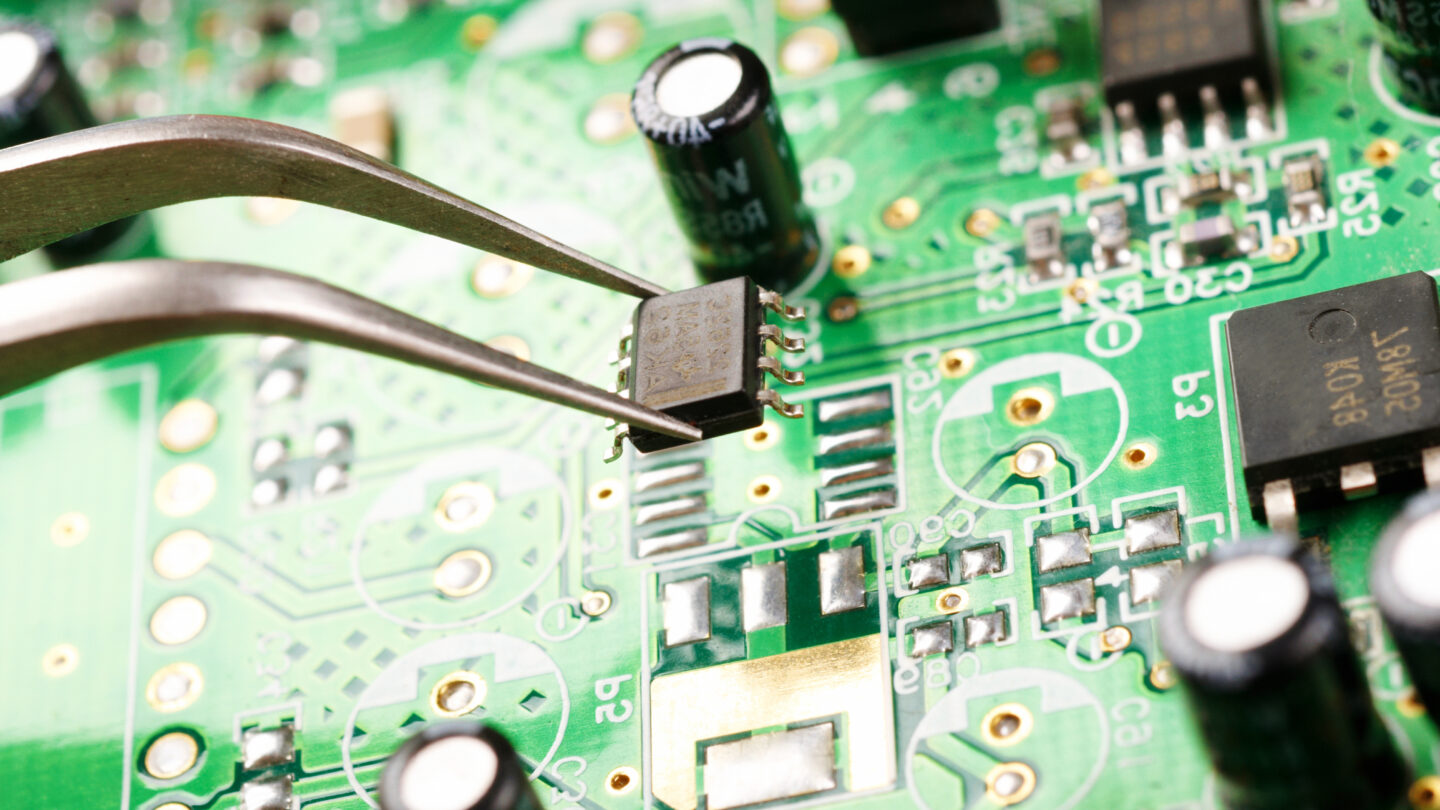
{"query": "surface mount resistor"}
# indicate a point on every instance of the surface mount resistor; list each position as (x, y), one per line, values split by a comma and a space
(710, 118)
(1043, 247)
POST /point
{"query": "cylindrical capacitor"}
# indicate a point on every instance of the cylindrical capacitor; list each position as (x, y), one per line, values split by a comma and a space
(1263, 649)
(459, 765)
(1410, 46)
(40, 98)
(710, 116)
(1405, 579)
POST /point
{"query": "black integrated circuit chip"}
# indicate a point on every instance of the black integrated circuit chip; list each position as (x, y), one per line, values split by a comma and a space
(1337, 380)
(696, 355)
(1150, 47)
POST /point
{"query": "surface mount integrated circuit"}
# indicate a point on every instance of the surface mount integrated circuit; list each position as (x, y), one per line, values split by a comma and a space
(1337, 394)
(699, 355)
(1153, 47)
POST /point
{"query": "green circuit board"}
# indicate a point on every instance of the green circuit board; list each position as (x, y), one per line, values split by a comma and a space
(159, 578)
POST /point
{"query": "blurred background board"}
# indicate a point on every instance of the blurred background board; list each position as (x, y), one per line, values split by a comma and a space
(1016, 331)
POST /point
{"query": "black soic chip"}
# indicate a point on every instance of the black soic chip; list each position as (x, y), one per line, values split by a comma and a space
(699, 356)
(1150, 47)
(1337, 394)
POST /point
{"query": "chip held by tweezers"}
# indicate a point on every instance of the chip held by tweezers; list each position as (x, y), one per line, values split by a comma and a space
(1337, 394)
(699, 355)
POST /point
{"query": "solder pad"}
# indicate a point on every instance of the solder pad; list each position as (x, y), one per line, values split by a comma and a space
(845, 678)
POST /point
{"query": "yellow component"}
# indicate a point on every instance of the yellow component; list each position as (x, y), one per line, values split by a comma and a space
(1042, 61)
(809, 51)
(463, 573)
(1007, 724)
(1425, 793)
(178, 620)
(842, 308)
(609, 120)
(270, 210)
(512, 345)
(604, 494)
(611, 37)
(982, 222)
(595, 603)
(957, 362)
(952, 600)
(762, 438)
(182, 554)
(465, 506)
(1082, 290)
(1030, 406)
(1009, 783)
(1115, 639)
(1382, 152)
(498, 277)
(1139, 455)
(764, 489)
(171, 755)
(477, 30)
(1162, 675)
(802, 9)
(70, 529)
(851, 261)
(901, 214)
(1410, 705)
(188, 426)
(174, 687)
(1033, 460)
(457, 694)
(363, 118)
(197, 64)
(622, 780)
(60, 660)
(846, 677)
(1284, 248)
(1095, 178)
(185, 490)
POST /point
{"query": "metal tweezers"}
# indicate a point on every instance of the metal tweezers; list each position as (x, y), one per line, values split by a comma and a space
(59, 186)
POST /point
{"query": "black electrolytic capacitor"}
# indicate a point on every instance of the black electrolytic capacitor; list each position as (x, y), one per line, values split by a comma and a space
(454, 765)
(709, 114)
(1262, 647)
(39, 98)
(1405, 579)
(1410, 47)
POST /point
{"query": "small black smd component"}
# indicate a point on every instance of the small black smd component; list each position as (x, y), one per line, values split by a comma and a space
(1337, 394)
(700, 356)
(885, 26)
(1153, 47)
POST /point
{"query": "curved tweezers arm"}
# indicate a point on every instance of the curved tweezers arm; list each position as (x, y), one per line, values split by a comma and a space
(57, 321)
(55, 187)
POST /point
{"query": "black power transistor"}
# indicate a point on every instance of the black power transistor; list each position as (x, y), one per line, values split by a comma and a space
(699, 356)
(1155, 47)
(1337, 394)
